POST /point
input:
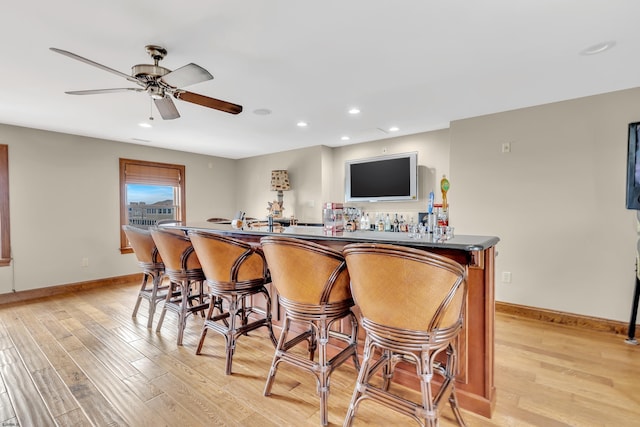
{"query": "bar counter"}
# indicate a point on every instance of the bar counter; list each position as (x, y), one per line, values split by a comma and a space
(475, 380)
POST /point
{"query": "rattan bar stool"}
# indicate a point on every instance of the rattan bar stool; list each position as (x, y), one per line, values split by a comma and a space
(313, 287)
(412, 304)
(152, 267)
(186, 294)
(235, 271)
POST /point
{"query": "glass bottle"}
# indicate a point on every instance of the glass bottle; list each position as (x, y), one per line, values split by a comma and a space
(387, 223)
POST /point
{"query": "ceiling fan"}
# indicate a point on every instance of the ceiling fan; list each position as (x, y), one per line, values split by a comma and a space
(160, 83)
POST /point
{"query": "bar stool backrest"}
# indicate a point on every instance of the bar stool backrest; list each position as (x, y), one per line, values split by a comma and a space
(305, 272)
(406, 288)
(143, 245)
(176, 250)
(226, 260)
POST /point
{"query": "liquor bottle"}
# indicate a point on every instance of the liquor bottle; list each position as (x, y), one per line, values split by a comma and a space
(380, 223)
(403, 224)
(396, 224)
(367, 222)
(363, 222)
(387, 223)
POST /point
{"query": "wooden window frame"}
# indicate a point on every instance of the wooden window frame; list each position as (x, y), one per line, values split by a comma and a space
(146, 175)
(5, 229)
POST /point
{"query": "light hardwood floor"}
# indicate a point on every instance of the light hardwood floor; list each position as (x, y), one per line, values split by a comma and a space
(80, 359)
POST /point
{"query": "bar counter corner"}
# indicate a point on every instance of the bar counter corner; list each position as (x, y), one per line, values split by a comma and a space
(475, 380)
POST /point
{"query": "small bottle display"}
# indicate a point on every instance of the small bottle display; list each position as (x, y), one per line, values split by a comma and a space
(333, 218)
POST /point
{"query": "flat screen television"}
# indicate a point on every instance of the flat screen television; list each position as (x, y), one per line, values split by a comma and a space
(633, 167)
(387, 178)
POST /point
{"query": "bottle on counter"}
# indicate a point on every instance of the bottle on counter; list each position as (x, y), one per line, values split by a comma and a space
(396, 223)
(380, 223)
(363, 222)
(367, 223)
(387, 223)
(403, 224)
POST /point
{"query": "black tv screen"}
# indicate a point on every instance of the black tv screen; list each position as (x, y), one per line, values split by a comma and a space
(386, 178)
(633, 167)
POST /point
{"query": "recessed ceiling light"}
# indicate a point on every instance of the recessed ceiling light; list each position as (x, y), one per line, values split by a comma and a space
(354, 111)
(144, 125)
(598, 48)
(302, 124)
(394, 129)
(262, 112)
(345, 138)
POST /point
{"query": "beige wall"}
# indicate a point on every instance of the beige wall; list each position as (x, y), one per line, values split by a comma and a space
(556, 201)
(253, 179)
(64, 204)
(433, 162)
(317, 175)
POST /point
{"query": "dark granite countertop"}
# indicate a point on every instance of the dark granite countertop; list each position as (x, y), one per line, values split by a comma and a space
(458, 242)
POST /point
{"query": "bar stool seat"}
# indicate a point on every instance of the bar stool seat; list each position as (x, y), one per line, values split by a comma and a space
(412, 304)
(152, 267)
(186, 294)
(313, 286)
(235, 272)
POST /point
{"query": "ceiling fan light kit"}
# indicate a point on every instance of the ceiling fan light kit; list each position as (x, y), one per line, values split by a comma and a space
(160, 83)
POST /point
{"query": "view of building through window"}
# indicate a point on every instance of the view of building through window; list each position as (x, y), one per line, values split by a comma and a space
(148, 204)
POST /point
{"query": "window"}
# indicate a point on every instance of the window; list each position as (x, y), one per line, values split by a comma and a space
(146, 190)
(5, 243)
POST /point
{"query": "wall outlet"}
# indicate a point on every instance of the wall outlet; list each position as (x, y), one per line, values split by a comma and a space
(85, 262)
(506, 277)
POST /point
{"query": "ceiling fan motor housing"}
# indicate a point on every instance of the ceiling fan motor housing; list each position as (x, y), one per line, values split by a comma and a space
(148, 71)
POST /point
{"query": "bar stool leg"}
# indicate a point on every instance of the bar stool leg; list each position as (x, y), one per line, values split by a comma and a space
(230, 336)
(323, 377)
(184, 306)
(277, 355)
(167, 300)
(363, 378)
(139, 300)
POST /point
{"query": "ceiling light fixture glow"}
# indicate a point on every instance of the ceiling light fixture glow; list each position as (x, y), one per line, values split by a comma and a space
(354, 111)
(302, 124)
(345, 138)
(598, 48)
(144, 125)
(394, 129)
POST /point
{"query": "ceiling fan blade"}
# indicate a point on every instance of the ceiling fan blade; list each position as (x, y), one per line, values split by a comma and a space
(95, 64)
(190, 74)
(205, 101)
(98, 91)
(167, 108)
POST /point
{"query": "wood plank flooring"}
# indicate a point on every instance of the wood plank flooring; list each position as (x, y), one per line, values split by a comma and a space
(81, 360)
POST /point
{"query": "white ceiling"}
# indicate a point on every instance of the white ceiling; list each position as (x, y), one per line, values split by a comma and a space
(414, 64)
